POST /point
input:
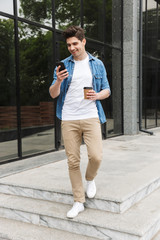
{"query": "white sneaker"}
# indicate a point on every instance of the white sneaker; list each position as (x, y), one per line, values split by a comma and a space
(91, 189)
(77, 208)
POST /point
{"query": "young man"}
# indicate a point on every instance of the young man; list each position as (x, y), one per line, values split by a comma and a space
(80, 117)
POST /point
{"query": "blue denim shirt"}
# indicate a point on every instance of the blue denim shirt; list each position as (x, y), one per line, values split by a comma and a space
(100, 82)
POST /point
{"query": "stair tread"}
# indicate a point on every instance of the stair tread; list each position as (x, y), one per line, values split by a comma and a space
(115, 193)
(157, 236)
(118, 185)
(25, 231)
(137, 220)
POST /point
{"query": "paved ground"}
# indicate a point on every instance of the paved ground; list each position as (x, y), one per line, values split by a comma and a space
(30, 163)
(126, 146)
(129, 162)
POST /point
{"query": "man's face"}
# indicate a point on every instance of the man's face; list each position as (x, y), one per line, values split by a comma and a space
(76, 47)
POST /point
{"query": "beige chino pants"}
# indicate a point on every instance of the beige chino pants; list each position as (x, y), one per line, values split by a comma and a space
(72, 132)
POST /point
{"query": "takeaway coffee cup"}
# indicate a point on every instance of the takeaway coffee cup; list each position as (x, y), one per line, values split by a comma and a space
(86, 89)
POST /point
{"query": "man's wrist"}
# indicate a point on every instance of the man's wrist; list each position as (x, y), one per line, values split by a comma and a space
(97, 96)
(58, 81)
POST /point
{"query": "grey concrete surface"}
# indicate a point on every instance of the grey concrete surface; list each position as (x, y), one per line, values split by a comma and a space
(30, 163)
(131, 165)
(25, 231)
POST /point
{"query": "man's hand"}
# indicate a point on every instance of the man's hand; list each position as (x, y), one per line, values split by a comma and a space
(61, 75)
(92, 95)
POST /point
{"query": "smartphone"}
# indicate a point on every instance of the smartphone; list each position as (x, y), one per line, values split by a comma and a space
(61, 64)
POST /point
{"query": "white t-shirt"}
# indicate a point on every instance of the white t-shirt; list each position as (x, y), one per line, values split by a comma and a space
(75, 106)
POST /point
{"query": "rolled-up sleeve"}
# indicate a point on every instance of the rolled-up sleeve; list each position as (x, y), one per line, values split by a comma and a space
(54, 77)
(105, 83)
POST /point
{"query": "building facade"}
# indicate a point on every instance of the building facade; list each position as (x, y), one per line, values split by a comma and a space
(31, 43)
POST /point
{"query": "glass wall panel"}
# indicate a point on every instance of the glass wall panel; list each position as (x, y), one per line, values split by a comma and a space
(150, 92)
(36, 10)
(158, 75)
(6, 6)
(62, 53)
(94, 19)
(8, 111)
(67, 13)
(36, 71)
(151, 67)
(113, 105)
(113, 22)
(102, 21)
(151, 28)
(35, 61)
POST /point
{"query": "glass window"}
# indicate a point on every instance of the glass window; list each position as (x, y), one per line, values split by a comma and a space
(158, 102)
(36, 10)
(113, 22)
(102, 23)
(67, 13)
(150, 91)
(144, 26)
(143, 6)
(151, 53)
(151, 28)
(8, 110)
(158, 52)
(113, 105)
(94, 19)
(36, 71)
(6, 6)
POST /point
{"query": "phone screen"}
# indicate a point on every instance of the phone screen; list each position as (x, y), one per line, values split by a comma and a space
(61, 64)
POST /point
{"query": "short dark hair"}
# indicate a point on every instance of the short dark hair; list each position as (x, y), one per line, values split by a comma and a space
(74, 31)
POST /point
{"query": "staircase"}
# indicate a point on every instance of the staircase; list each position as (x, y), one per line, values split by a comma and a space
(126, 206)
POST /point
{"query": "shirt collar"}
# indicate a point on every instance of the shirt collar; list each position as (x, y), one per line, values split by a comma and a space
(90, 57)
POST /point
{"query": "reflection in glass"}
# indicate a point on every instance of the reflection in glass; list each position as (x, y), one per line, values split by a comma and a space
(36, 71)
(113, 105)
(63, 50)
(62, 54)
(143, 6)
(109, 21)
(8, 111)
(150, 92)
(151, 44)
(6, 6)
(37, 11)
(158, 92)
(151, 67)
(102, 22)
(113, 22)
(67, 13)
(94, 19)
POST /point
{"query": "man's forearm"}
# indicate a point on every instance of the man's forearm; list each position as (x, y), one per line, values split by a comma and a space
(105, 93)
(55, 89)
(92, 95)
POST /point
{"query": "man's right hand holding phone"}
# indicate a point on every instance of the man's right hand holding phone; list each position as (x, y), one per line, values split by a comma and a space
(61, 74)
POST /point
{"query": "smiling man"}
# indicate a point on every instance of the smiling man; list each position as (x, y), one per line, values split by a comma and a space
(81, 117)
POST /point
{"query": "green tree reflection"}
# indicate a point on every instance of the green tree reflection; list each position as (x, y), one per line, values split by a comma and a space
(36, 67)
(36, 52)
(7, 74)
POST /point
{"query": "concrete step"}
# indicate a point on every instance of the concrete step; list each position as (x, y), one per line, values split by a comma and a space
(15, 230)
(141, 222)
(116, 192)
(157, 236)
